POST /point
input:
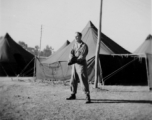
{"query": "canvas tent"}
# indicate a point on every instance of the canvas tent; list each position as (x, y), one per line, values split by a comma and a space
(123, 69)
(57, 69)
(62, 47)
(53, 67)
(52, 58)
(14, 60)
(146, 49)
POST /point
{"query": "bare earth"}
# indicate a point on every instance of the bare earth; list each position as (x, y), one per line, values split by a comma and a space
(28, 100)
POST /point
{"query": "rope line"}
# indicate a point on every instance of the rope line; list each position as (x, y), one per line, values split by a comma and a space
(26, 66)
(113, 73)
(26, 73)
(4, 70)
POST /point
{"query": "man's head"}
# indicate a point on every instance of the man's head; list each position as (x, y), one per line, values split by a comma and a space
(78, 36)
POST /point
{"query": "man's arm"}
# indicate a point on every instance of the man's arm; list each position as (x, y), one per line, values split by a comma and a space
(72, 58)
(83, 53)
(71, 55)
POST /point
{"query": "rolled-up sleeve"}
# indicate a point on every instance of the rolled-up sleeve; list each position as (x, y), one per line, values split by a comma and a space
(71, 52)
(83, 52)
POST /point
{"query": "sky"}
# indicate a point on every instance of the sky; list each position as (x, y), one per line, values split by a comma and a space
(127, 22)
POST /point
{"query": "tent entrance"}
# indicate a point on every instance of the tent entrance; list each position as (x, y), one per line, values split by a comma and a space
(19, 60)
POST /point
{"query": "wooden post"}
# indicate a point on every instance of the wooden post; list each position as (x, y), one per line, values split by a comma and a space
(98, 49)
(151, 18)
(40, 40)
(34, 75)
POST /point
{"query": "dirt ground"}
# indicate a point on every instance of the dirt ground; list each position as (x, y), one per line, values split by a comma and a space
(28, 100)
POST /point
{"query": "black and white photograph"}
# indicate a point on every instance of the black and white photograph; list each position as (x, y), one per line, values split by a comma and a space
(75, 60)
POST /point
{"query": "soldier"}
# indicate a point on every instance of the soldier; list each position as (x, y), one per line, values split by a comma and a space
(77, 59)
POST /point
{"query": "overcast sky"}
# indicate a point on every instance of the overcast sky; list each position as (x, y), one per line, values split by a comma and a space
(127, 22)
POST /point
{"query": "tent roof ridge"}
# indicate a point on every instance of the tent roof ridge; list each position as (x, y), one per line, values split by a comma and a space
(85, 33)
(106, 46)
(149, 37)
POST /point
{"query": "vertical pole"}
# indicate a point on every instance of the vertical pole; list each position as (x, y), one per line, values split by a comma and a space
(147, 68)
(100, 73)
(34, 66)
(151, 18)
(34, 74)
(40, 40)
(97, 49)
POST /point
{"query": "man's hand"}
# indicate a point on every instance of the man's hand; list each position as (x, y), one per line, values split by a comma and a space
(73, 60)
(72, 52)
(79, 61)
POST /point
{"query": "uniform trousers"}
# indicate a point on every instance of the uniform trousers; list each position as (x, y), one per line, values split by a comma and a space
(79, 73)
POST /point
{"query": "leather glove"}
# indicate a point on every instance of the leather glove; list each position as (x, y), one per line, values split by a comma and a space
(80, 61)
(73, 60)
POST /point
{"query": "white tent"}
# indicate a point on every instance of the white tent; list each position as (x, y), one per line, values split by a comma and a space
(146, 48)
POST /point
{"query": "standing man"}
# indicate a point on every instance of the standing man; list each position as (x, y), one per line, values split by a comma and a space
(77, 57)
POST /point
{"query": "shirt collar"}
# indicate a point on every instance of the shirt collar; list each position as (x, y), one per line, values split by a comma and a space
(78, 42)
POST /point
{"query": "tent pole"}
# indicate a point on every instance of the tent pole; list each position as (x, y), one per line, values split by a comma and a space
(34, 75)
(147, 69)
(151, 18)
(100, 73)
(98, 48)
(40, 40)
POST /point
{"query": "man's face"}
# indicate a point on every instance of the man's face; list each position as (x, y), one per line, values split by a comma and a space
(77, 37)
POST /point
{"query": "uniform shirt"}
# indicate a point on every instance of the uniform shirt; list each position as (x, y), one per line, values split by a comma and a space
(80, 50)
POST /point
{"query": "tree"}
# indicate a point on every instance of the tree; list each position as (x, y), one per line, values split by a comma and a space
(36, 52)
(47, 51)
(23, 45)
(31, 50)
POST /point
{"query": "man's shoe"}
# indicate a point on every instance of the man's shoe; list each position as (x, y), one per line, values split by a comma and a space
(88, 100)
(72, 97)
